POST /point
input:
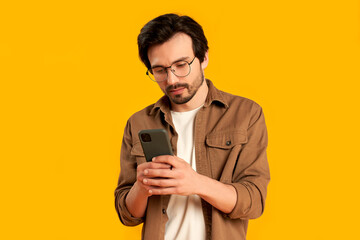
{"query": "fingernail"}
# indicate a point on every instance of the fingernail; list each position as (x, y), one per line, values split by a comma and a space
(145, 181)
(153, 159)
(146, 172)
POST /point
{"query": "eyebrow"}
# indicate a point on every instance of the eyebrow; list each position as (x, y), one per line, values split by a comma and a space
(178, 60)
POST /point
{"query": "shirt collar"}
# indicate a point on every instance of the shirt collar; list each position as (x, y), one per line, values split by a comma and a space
(214, 95)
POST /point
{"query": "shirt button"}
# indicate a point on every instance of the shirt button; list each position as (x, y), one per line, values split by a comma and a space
(163, 211)
(228, 143)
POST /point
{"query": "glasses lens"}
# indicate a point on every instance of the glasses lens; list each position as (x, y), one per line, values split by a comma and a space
(181, 69)
(157, 74)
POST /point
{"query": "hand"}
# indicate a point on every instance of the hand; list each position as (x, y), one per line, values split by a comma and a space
(180, 179)
(144, 189)
(156, 178)
(136, 200)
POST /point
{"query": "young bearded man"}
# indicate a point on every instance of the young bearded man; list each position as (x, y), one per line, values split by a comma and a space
(217, 179)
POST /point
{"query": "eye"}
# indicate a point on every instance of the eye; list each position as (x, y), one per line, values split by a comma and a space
(158, 70)
(180, 64)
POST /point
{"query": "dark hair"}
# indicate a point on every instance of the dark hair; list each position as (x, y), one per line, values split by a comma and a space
(162, 28)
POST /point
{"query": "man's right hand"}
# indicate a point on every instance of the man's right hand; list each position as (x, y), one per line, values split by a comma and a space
(136, 200)
(140, 174)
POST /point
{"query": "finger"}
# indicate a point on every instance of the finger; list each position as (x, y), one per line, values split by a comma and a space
(153, 165)
(162, 173)
(145, 166)
(171, 160)
(163, 182)
(162, 191)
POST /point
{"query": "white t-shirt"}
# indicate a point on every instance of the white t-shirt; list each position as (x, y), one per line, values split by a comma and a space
(186, 219)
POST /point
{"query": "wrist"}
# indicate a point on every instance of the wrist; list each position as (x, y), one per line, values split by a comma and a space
(201, 185)
(139, 190)
(136, 201)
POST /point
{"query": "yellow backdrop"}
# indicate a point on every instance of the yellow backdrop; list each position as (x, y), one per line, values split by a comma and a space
(70, 78)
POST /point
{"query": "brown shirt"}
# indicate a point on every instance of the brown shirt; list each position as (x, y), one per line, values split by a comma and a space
(230, 140)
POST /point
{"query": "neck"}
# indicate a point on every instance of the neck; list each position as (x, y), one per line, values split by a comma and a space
(195, 102)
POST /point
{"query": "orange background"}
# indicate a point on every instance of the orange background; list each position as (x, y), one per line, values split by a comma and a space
(70, 78)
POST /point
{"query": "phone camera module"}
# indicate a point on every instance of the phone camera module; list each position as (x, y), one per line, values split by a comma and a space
(146, 137)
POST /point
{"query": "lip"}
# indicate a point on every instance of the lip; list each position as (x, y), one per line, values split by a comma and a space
(177, 91)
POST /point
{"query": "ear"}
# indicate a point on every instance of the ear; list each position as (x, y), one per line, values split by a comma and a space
(206, 61)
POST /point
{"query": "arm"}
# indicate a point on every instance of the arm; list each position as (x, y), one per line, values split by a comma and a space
(136, 200)
(183, 180)
(127, 179)
(251, 174)
(221, 196)
(131, 195)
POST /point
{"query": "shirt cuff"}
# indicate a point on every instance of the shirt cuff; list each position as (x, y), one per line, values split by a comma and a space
(243, 201)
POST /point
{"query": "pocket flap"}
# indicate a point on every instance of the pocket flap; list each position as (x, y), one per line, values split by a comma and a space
(226, 140)
(137, 150)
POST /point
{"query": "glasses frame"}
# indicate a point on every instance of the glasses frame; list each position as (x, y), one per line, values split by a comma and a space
(171, 70)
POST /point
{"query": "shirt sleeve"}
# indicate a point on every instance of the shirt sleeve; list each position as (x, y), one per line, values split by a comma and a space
(126, 180)
(251, 174)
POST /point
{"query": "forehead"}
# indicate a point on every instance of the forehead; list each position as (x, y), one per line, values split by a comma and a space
(179, 46)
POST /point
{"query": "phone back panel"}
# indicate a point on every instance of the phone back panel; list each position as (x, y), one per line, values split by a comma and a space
(157, 146)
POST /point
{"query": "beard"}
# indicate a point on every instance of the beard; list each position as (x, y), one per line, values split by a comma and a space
(192, 89)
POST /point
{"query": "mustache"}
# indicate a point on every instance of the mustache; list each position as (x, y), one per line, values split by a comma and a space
(177, 85)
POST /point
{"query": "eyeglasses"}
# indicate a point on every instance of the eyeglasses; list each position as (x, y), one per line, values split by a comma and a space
(179, 69)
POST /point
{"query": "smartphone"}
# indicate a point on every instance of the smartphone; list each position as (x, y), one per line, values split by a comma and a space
(155, 142)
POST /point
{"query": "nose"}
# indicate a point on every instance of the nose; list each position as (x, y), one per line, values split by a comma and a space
(171, 78)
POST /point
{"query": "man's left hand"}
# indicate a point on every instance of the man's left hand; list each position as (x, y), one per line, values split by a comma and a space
(181, 179)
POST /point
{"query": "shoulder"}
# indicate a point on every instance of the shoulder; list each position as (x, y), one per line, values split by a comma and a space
(243, 110)
(240, 103)
(142, 114)
(229, 100)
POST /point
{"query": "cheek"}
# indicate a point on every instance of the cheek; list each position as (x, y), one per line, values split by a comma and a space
(162, 86)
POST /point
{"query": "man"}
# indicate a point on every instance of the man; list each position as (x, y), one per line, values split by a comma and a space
(218, 176)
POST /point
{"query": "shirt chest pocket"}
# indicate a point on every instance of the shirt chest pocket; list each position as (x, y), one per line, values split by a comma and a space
(138, 153)
(223, 149)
